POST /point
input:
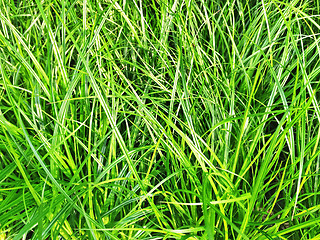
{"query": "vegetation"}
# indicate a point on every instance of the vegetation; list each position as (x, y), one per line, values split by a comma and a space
(159, 119)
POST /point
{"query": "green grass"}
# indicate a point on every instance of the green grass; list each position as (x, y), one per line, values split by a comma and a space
(159, 119)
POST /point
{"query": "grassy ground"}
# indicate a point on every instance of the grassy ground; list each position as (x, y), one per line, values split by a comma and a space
(159, 119)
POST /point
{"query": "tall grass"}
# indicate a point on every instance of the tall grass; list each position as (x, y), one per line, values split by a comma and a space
(159, 119)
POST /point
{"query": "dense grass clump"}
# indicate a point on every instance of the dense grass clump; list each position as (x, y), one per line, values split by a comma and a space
(159, 119)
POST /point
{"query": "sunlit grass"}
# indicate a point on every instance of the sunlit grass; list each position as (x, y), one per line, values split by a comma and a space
(159, 119)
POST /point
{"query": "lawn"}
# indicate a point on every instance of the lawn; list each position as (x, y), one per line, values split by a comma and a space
(159, 119)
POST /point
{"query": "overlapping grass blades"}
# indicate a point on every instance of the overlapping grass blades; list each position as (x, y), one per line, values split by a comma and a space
(159, 119)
